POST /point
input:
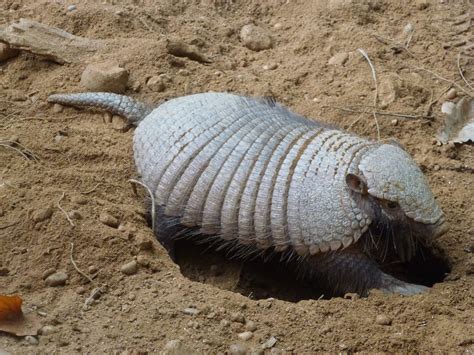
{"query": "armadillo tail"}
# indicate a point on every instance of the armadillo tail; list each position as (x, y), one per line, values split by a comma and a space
(125, 106)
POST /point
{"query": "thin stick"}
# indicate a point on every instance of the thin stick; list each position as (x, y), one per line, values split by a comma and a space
(460, 72)
(63, 211)
(77, 268)
(91, 190)
(25, 153)
(402, 115)
(15, 149)
(400, 45)
(374, 76)
(410, 36)
(444, 79)
(153, 208)
(95, 292)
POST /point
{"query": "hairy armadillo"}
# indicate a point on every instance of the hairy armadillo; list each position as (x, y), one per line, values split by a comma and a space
(252, 172)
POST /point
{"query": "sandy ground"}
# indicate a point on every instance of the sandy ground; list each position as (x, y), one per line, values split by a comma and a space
(203, 305)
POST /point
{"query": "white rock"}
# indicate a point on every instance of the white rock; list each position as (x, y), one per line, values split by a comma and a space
(270, 343)
(255, 38)
(245, 335)
(31, 340)
(271, 66)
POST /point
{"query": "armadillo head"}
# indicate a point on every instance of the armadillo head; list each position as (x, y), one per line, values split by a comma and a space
(393, 191)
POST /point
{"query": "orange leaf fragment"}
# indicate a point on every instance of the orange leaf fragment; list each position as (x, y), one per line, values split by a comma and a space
(10, 308)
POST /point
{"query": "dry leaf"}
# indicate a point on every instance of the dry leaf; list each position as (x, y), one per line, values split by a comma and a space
(10, 308)
(12, 319)
(459, 121)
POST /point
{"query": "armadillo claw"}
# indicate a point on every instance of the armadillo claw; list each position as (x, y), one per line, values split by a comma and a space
(406, 289)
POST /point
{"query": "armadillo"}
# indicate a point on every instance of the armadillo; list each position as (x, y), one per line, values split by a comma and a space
(250, 171)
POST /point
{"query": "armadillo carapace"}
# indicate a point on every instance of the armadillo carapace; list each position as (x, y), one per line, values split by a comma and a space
(252, 172)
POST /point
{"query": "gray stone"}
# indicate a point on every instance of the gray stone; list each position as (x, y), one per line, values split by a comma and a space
(255, 38)
(56, 279)
(129, 268)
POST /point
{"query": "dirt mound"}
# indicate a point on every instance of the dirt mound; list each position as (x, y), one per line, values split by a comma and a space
(78, 163)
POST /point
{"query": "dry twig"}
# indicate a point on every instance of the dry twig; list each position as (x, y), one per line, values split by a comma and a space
(24, 152)
(153, 208)
(63, 211)
(460, 72)
(376, 96)
(91, 190)
(77, 268)
(444, 79)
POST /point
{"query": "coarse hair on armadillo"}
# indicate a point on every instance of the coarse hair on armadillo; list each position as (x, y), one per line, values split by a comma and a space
(251, 170)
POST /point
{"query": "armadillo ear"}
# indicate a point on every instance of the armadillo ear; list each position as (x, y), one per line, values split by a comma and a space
(356, 184)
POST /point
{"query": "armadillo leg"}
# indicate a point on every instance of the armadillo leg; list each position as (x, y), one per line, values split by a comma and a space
(351, 271)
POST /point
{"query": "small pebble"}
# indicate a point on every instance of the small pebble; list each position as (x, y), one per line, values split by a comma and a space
(47, 272)
(251, 326)
(238, 349)
(42, 214)
(132, 297)
(451, 94)
(255, 38)
(71, 8)
(119, 123)
(31, 340)
(143, 260)
(81, 290)
(271, 66)
(436, 167)
(224, 323)
(156, 83)
(237, 317)
(109, 220)
(408, 28)
(394, 122)
(191, 311)
(175, 346)
(106, 76)
(129, 268)
(48, 329)
(143, 242)
(57, 108)
(136, 86)
(278, 26)
(269, 343)
(339, 59)
(245, 335)
(56, 279)
(382, 319)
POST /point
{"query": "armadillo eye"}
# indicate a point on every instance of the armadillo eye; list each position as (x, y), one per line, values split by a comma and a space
(392, 205)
